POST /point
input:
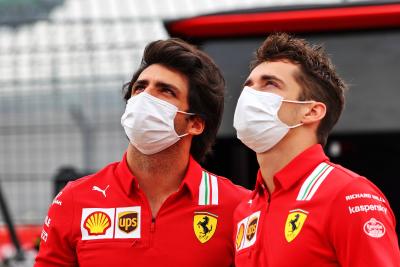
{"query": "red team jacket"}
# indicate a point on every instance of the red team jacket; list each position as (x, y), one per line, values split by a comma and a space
(105, 220)
(320, 214)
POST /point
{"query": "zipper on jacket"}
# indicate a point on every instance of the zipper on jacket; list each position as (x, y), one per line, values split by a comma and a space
(153, 219)
(268, 202)
(153, 225)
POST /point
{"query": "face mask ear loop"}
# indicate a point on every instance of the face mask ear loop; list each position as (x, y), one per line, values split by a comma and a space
(298, 102)
(295, 126)
(186, 113)
(183, 135)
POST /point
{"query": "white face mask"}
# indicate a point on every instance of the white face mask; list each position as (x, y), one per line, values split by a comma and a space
(149, 123)
(256, 119)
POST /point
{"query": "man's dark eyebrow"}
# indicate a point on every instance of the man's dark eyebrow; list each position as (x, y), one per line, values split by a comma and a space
(158, 84)
(141, 82)
(168, 85)
(267, 77)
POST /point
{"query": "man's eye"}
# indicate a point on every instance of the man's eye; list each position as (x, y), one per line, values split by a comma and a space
(168, 91)
(271, 83)
(137, 89)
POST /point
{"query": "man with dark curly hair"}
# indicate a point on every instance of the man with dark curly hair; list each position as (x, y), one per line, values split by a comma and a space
(158, 206)
(305, 210)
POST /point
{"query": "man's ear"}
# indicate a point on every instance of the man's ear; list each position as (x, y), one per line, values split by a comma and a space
(196, 125)
(316, 112)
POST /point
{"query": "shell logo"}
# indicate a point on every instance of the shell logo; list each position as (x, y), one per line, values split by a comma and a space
(239, 236)
(97, 223)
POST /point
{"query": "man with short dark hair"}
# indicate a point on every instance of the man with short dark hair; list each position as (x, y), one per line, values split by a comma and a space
(158, 206)
(305, 210)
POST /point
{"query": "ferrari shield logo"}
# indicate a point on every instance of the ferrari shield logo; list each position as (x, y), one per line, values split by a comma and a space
(204, 225)
(294, 223)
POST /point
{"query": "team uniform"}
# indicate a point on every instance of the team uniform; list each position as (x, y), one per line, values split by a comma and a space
(105, 220)
(320, 214)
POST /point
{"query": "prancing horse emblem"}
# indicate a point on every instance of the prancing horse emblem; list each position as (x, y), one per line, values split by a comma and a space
(204, 225)
(294, 223)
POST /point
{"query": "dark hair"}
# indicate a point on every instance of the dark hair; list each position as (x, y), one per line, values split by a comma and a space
(206, 85)
(317, 75)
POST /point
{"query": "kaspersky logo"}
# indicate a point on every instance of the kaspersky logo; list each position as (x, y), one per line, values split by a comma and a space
(128, 221)
(97, 223)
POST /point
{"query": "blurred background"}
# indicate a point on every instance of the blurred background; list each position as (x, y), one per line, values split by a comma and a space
(63, 64)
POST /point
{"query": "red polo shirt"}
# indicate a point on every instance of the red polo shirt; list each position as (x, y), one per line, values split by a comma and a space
(320, 214)
(105, 220)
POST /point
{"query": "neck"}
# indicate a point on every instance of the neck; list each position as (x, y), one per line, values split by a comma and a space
(158, 175)
(275, 159)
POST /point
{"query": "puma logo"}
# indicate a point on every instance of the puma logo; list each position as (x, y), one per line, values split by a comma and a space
(103, 191)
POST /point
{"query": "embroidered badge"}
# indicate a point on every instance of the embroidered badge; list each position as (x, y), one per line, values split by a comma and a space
(374, 228)
(204, 225)
(246, 234)
(294, 223)
(239, 236)
(108, 223)
(128, 222)
(97, 223)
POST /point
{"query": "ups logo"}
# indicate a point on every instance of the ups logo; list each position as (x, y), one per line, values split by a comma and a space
(251, 228)
(128, 221)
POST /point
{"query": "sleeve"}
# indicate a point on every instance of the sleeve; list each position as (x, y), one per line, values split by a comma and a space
(56, 246)
(362, 227)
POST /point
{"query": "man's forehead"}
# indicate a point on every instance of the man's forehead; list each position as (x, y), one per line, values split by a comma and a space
(281, 70)
(163, 75)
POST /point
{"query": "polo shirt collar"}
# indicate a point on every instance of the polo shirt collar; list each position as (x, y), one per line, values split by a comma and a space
(129, 182)
(125, 176)
(192, 177)
(260, 185)
(301, 165)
